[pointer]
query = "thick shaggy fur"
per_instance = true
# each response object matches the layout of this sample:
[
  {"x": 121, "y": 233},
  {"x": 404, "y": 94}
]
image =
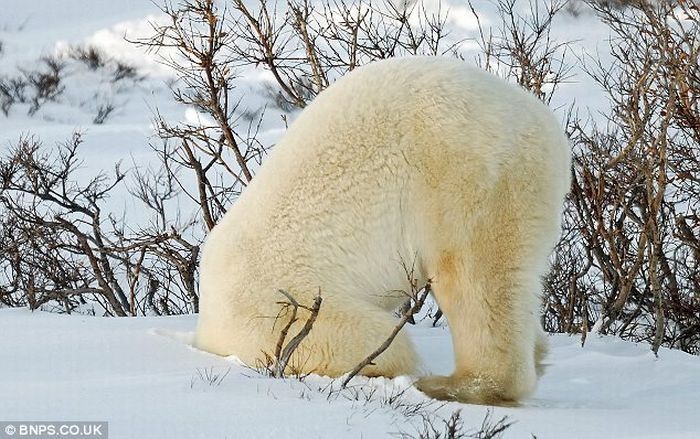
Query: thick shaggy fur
[{"x": 414, "y": 159}]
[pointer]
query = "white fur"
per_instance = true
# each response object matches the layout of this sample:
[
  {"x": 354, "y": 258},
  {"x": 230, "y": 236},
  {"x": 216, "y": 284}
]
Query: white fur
[{"x": 423, "y": 159}]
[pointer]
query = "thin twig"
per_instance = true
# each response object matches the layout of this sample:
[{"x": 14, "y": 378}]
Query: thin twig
[
  {"x": 420, "y": 297},
  {"x": 282, "y": 356}
]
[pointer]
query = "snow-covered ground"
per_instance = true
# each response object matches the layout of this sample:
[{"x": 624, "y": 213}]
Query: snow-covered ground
[{"x": 142, "y": 376}]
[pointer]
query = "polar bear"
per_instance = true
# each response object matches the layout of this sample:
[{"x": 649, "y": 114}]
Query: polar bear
[{"x": 420, "y": 159}]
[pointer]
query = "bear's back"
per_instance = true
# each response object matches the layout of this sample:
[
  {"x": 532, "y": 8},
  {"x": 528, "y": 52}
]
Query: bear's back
[{"x": 426, "y": 109}]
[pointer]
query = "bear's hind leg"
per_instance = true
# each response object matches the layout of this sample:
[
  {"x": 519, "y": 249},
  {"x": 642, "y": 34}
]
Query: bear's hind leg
[{"x": 487, "y": 289}]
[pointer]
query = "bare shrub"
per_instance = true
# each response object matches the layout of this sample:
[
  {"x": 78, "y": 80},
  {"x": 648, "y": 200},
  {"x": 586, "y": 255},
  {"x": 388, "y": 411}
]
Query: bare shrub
[
  {"x": 103, "y": 112},
  {"x": 209, "y": 376},
  {"x": 521, "y": 48},
  {"x": 630, "y": 265},
  {"x": 61, "y": 246},
  {"x": 12, "y": 91},
  {"x": 46, "y": 83},
  {"x": 96, "y": 59},
  {"x": 124, "y": 71},
  {"x": 434, "y": 427},
  {"x": 309, "y": 47},
  {"x": 59, "y": 252},
  {"x": 92, "y": 57},
  {"x": 34, "y": 87},
  {"x": 217, "y": 155}
]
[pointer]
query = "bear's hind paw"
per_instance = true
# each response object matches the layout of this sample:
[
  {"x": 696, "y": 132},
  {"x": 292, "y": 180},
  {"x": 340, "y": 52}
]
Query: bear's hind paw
[{"x": 468, "y": 390}]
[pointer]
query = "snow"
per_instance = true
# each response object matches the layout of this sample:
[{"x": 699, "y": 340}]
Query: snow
[{"x": 142, "y": 376}]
